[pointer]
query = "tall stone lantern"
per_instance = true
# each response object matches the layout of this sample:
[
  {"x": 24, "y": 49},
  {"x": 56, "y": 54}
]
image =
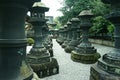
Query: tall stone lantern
[
  {"x": 64, "y": 32},
  {"x": 60, "y": 39},
  {"x": 13, "y": 41},
  {"x": 39, "y": 59},
  {"x": 108, "y": 67},
  {"x": 85, "y": 52},
  {"x": 69, "y": 36},
  {"x": 74, "y": 42}
]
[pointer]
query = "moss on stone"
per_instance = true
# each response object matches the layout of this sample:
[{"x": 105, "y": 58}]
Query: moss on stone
[
  {"x": 85, "y": 58},
  {"x": 46, "y": 69}
]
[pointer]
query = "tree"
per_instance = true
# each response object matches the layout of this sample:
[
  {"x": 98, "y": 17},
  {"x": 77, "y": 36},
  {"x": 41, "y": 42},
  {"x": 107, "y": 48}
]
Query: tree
[
  {"x": 72, "y": 8},
  {"x": 99, "y": 8},
  {"x": 101, "y": 26},
  {"x": 58, "y": 25}
]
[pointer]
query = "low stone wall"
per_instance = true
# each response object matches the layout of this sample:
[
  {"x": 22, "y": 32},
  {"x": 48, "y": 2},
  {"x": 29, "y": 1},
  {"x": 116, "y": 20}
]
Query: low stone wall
[{"x": 102, "y": 42}]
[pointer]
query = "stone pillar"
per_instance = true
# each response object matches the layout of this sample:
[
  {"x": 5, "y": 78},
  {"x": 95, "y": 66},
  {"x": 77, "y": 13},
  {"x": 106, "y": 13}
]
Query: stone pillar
[
  {"x": 60, "y": 39},
  {"x": 69, "y": 36},
  {"x": 79, "y": 34},
  {"x": 52, "y": 31},
  {"x": 74, "y": 42},
  {"x": 65, "y": 35},
  {"x": 39, "y": 59},
  {"x": 108, "y": 67},
  {"x": 13, "y": 41},
  {"x": 85, "y": 52},
  {"x": 64, "y": 32}
]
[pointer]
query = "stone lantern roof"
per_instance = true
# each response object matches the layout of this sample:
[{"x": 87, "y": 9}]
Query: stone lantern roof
[
  {"x": 75, "y": 20},
  {"x": 39, "y": 4},
  {"x": 65, "y": 26},
  {"x": 69, "y": 23},
  {"x": 39, "y": 7},
  {"x": 86, "y": 12}
]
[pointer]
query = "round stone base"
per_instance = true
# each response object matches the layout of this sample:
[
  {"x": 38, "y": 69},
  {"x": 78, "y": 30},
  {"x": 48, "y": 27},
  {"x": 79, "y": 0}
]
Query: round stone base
[
  {"x": 85, "y": 58},
  {"x": 99, "y": 74},
  {"x": 46, "y": 69},
  {"x": 64, "y": 44},
  {"x": 68, "y": 49}
]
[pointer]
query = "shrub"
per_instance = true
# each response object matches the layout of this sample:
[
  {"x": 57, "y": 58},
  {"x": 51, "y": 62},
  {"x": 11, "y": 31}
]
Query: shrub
[{"x": 30, "y": 41}]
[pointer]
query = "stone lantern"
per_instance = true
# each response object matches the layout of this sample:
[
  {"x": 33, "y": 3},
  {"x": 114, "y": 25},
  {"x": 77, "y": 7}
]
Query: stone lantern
[
  {"x": 85, "y": 52},
  {"x": 108, "y": 67},
  {"x": 69, "y": 36},
  {"x": 74, "y": 42},
  {"x": 65, "y": 35},
  {"x": 39, "y": 59},
  {"x": 52, "y": 24},
  {"x": 64, "y": 32},
  {"x": 60, "y": 39},
  {"x": 13, "y": 41}
]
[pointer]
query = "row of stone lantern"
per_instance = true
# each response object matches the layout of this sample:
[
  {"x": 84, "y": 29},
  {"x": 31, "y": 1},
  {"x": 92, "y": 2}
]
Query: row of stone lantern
[
  {"x": 39, "y": 58},
  {"x": 74, "y": 42},
  {"x": 107, "y": 67},
  {"x": 78, "y": 45},
  {"x": 69, "y": 35}
]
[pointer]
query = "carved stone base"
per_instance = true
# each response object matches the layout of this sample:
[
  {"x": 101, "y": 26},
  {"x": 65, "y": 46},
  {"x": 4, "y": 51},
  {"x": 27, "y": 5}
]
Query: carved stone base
[
  {"x": 46, "y": 69},
  {"x": 107, "y": 67},
  {"x": 99, "y": 74},
  {"x": 71, "y": 46},
  {"x": 65, "y": 43},
  {"x": 68, "y": 49},
  {"x": 85, "y": 56}
]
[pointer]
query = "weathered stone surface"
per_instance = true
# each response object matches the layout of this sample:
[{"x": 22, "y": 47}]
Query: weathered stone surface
[
  {"x": 85, "y": 52},
  {"x": 85, "y": 58},
  {"x": 39, "y": 59},
  {"x": 46, "y": 68},
  {"x": 71, "y": 46},
  {"x": 99, "y": 74}
]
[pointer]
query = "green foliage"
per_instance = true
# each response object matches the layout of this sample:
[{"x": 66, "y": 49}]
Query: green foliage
[
  {"x": 72, "y": 8},
  {"x": 99, "y": 8},
  {"x": 101, "y": 25},
  {"x": 111, "y": 28},
  {"x": 58, "y": 25},
  {"x": 30, "y": 41}
]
